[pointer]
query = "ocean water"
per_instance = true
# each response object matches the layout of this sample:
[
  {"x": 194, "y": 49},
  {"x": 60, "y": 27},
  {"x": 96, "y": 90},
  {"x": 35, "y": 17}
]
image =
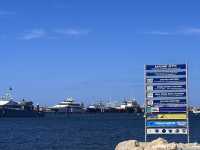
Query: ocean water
[{"x": 77, "y": 132}]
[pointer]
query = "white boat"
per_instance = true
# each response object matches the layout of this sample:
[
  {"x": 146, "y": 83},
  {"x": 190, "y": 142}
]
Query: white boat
[
  {"x": 196, "y": 110},
  {"x": 68, "y": 106},
  {"x": 10, "y": 108}
]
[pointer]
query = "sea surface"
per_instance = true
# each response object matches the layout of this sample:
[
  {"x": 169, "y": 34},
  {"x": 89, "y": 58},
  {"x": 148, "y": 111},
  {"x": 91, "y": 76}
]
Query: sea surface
[{"x": 77, "y": 132}]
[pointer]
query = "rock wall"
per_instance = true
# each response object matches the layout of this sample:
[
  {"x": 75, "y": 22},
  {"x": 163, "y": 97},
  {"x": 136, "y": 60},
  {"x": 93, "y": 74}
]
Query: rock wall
[{"x": 158, "y": 144}]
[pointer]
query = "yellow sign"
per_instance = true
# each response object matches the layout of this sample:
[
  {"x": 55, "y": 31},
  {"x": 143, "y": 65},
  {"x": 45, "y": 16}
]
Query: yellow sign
[{"x": 166, "y": 117}]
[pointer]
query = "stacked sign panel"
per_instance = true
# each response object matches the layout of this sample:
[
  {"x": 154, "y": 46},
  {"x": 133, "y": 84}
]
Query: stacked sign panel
[{"x": 166, "y": 99}]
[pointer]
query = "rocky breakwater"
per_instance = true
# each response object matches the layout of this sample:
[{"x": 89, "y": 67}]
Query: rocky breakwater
[{"x": 158, "y": 144}]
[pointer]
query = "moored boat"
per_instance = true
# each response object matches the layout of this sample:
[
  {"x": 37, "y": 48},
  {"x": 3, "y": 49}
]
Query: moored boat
[
  {"x": 67, "y": 106},
  {"x": 11, "y": 108}
]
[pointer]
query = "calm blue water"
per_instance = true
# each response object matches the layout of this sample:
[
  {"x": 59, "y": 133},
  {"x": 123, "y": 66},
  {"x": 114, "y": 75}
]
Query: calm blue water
[{"x": 75, "y": 132}]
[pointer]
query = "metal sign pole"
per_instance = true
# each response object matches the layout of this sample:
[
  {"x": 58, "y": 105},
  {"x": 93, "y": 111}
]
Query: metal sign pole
[
  {"x": 188, "y": 131},
  {"x": 145, "y": 103}
]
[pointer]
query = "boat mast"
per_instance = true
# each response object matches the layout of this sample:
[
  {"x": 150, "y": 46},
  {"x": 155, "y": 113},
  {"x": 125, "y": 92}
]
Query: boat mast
[{"x": 8, "y": 94}]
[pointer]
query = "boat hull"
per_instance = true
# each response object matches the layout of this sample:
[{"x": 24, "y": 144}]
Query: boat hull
[{"x": 20, "y": 113}]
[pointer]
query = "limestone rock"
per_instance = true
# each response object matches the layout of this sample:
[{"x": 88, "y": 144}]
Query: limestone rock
[
  {"x": 128, "y": 145},
  {"x": 159, "y": 141},
  {"x": 158, "y": 144},
  {"x": 162, "y": 147}
]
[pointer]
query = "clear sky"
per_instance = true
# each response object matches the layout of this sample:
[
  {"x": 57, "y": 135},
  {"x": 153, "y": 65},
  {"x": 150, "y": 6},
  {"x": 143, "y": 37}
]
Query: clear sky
[{"x": 94, "y": 49}]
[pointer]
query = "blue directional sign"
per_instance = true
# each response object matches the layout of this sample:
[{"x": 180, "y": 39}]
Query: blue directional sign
[
  {"x": 161, "y": 109},
  {"x": 169, "y": 87},
  {"x": 167, "y": 105},
  {"x": 171, "y": 101},
  {"x": 166, "y": 80},
  {"x": 169, "y": 94},
  {"x": 172, "y": 109},
  {"x": 166, "y": 124},
  {"x": 165, "y": 67},
  {"x": 165, "y": 73}
]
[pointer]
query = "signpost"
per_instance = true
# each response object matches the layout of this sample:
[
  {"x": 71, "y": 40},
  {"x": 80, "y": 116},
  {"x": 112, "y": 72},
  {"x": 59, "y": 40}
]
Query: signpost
[{"x": 166, "y": 99}]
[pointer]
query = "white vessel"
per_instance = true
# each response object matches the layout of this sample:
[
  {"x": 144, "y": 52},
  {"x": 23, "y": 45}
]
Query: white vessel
[
  {"x": 129, "y": 105},
  {"x": 68, "y": 106},
  {"x": 196, "y": 110},
  {"x": 10, "y": 108}
]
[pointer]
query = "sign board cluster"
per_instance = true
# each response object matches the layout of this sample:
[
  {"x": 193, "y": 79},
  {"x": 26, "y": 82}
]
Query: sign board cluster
[{"x": 166, "y": 107}]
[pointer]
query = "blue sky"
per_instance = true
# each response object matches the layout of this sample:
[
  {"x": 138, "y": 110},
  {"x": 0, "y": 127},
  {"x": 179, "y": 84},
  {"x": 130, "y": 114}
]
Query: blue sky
[{"x": 92, "y": 50}]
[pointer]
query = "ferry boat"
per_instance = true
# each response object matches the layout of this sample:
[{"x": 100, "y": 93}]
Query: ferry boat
[{"x": 67, "y": 106}]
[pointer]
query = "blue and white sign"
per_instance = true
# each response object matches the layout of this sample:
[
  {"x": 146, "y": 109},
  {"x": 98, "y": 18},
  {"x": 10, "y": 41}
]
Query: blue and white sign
[
  {"x": 165, "y": 73},
  {"x": 169, "y": 94},
  {"x": 165, "y": 80},
  {"x": 161, "y": 109},
  {"x": 170, "y": 101},
  {"x": 169, "y": 87},
  {"x": 167, "y": 105},
  {"x": 172, "y": 109},
  {"x": 165, "y": 94},
  {"x": 166, "y": 124},
  {"x": 165, "y": 67}
]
